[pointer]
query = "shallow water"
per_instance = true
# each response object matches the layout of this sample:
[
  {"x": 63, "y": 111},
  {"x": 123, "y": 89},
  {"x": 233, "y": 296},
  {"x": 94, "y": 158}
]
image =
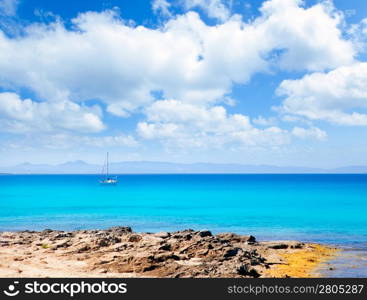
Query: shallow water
[
  {"x": 321, "y": 208},
  {"x": 351, "y": 262}
]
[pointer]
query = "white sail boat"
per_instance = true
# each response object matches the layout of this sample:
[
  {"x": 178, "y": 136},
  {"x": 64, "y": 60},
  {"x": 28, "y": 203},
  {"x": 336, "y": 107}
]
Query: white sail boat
[{"x": 107, "y": 179}]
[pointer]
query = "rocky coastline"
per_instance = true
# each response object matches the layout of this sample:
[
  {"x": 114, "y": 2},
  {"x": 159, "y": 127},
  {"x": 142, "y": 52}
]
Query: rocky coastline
[{"x": 120, "y": 252}]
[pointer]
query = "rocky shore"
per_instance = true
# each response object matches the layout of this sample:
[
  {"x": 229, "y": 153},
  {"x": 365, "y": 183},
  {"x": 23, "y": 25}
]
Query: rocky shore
[{"x": 120, "y": 252}]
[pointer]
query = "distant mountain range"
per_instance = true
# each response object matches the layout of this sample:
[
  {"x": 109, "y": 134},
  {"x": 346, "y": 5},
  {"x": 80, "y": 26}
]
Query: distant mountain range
[{"x": 149, "y": 167}]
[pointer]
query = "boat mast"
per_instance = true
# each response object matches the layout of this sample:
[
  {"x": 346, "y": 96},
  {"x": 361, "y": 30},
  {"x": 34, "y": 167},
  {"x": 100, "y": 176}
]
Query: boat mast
[{"x": 107, "y": 165}]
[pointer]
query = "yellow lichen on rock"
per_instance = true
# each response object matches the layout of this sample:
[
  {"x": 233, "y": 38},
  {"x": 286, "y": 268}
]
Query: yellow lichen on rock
[{"x": 301, "y": 263}]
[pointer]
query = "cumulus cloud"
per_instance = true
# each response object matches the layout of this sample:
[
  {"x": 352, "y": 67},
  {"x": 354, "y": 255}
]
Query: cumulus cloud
[
  {"x": 24, "y": 115},
  {"x": 310, "y": 38},
  {"x": 260, "y": 120},
  {"x": 187, "y": 125},
  {"x": 161, "y": 6},
  {"x": 312, "y": 132},
  {"x": 338, "y": 96},
  {"x": 216, "y": 9},
  {"x": 104, "y": 57}
]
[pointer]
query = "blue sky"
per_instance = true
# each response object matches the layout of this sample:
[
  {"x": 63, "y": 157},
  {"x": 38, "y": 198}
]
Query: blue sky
[{"x": 281, "y": 82}]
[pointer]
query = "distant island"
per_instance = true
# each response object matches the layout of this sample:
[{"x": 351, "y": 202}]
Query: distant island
[{"x": 151, "y": 167}]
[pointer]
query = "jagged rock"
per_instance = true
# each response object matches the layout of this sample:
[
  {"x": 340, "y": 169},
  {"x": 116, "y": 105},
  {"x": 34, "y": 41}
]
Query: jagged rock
[
  {"x": 63, "y": 235},
  {"x": 279, "y": 246},
  {"x": 135, "y": 238},
  {"x": 46, "y": 231},
  {"x": 297, "y": 246},
  {"x": 185, "y": 253},
  {"x": 246, "y": 270},
  {"x": 231, "y": 252},
  {"x": 84, "y": 249},
  {"x": 120, "y": 229},
  {"x": 251, "y": 239},
  {"x": 162, "y": 235},
  {"x": 103, "y": 242},
  {"x": 204, "y": 233},
  {"x": 165, "y": 247}
]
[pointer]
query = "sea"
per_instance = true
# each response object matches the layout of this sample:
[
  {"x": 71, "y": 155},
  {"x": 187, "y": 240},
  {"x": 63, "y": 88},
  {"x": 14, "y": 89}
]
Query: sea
[{"x": 324, "y": 208}]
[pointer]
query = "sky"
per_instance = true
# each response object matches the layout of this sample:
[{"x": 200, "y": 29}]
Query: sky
[{"x": 279, "y": 82}]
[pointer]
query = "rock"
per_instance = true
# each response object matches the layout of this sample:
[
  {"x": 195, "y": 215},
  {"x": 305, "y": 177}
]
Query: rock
[
  {"x": 18, "y": 258},
  {"x": 231, "y": 252},
  {"x": 63, "y": 244},
  {"x": 185, "y": 234},
  {"x": 135, "y": 238},
  {"x": 120, "y": 229},
  {"x": 250, "y": 239},
  {"x": 162, "y": 235},
  {"x": 279, "y": 246},
  {"x": 246, "y": 270},
  {"x": 185, "y": 253},
  {"x": 63, "y": 235},
  {"x": 46, "y": 232},
  {"x": 150, "y": 268},
  {"x": 297, "y": 246},
  {"x": 165, "y": 247},
  {"x": 103, "y": 242},
  {"x": 204, "y": 233},
  {"x": 84, "y": 248},
  {"x": 163, "y": 257}
]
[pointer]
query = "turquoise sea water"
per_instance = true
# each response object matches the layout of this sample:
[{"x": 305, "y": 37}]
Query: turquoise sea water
[{"x": 323, "y": 208}]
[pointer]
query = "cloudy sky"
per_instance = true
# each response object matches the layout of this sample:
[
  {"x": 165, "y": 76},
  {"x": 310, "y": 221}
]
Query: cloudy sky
[{"x": 280, "y": 82}]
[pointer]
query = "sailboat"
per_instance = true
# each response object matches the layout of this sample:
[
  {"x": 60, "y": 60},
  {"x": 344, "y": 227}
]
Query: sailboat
[{"x": 107, "y": 179}]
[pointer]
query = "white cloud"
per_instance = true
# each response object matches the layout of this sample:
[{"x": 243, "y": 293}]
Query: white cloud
[
  {"x": 338, "y": 96},
  {"x": 161, "y": 6},
  {"x": 260, "y": 120},
  {"x": 216, "y": 9},
  {"x": 8, "y": 7},
  {"x": 185, "y": 125},
  {"x": 17, "y": 115},
  {"x": 104, "y": 57},
  {"x": 312, "y": 132},
  {"x": 311, "y": 38}
]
